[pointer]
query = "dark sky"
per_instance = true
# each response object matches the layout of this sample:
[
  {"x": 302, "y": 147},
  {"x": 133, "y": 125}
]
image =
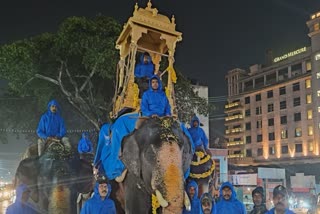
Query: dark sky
[{"x": 217, "y": 35}]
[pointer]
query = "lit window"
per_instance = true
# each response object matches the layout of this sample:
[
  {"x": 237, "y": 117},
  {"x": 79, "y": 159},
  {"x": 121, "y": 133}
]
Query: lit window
[
  {"x": 316, "y": 26},
  {"x": 309, "y": 113},
  {"x": 311, "y": 147},
  {"x": 298, "y": 132},
  {"x": 318, "y": 93},
  {"x": 309, "y": 66},
  {"x": 308, "y": 83},
  {"x": 310, "y": 130},
  {"x": 309, "y": 99},
  {"x": 318, "y": 75},
  {"x": 284, "y": 134},
  {"x": 319, "y": 109}
]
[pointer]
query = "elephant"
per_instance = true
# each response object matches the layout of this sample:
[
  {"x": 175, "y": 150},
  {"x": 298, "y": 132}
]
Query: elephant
[
  {"x": 157, "y": 155},
  {"x": 55, "y": 178}
]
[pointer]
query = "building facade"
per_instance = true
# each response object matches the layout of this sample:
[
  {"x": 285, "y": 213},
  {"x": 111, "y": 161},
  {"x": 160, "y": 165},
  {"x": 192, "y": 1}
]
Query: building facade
[{"x": 273, "y": 111}]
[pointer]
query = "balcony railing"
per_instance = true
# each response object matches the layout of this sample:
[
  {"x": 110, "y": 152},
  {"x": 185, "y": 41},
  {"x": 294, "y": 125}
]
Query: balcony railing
[
  {"x": 234, "y": 117},
  {"x": 236, "y": 156},
  {"x": 235, "y": 143},
  {"x": 235, "y": 130}
]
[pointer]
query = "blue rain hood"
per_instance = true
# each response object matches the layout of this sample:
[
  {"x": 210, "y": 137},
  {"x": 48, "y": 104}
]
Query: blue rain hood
[
  {"x": 198, "y": 135},
  {"x": 144, "y": 70},
  {"x": 84, "y": 144},
  {"x": 159, "y": 83}
]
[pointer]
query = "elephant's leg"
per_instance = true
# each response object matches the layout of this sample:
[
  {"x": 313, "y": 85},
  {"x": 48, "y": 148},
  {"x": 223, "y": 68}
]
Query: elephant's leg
[
  {"x": 136, "y": 200},
  {"x": 118, "y": 196}
]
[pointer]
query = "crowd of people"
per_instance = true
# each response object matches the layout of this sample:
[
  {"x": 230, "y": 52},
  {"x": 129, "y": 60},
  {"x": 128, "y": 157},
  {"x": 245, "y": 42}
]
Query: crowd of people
[{"x": 154, "y": 103}]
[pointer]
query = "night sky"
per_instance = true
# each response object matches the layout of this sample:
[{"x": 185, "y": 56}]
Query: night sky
[{"x": 217, "y": 35}]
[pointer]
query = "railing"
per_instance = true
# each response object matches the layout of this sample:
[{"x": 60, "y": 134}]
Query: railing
[{"x": 235, "y": 143}]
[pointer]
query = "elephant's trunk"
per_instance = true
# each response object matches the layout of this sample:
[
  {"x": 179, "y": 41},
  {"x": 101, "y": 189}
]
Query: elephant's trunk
[
  {"x": 60, "y": 200},
  {"x": 168, "y": 177}
]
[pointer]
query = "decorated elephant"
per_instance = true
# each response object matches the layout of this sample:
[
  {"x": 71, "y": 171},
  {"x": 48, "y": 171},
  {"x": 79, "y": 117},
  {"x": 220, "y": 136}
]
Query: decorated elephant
[
  {"x": 157, "y": 157},
  {"x": 55, "y": 178}
]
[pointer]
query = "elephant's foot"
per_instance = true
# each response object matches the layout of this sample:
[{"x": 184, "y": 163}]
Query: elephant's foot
[{"x": 120, "y": 178}]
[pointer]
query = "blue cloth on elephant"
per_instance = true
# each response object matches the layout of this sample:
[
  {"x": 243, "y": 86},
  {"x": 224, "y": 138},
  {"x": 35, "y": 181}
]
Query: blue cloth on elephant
[
  {"x": 198, "y": 135},
  {"x": 155, "y": 102},
  {"x": 51, "y": 124},
  {"x": 206, "y": 198},
  {"x": 20, "y": 207},
  {"x": 85, "y": 145},
  {"x": 233, "y": 205},
  {"x": 195, "y": 201},
  {"x": 144, "y": 69},
  {"x": 97, "y": 206},
  {"x": 123, "y": 126},
  {"x": 104, "y": 141}
]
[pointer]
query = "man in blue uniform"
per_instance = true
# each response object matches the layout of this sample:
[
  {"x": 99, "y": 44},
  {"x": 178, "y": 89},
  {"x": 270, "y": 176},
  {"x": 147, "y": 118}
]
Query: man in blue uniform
[
  {"x": 51, "y": 127},
  {"x": 100, "y": 203},
  {"x": 144, "y": 70},
  {"x": 154, "y": 101},
  {"x": 199, "y": 137},
  {"x": 280, "y": 201}
]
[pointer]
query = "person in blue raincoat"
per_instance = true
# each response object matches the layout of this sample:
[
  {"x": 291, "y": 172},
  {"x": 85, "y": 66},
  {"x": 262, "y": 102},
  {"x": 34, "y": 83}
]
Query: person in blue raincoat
[
  {"x": 154, "y": 101},
  {"x": 198, "y": 135},
  {"x": 51, "y": 126},
  {"x": 228, "y": 202},
  {"x": 100, "y": 203},
  {"x": 21, "y": 204},
  {"x": 85, "y": 145},
  {"x": 143, "y": 71},
  {"x": 207, "y": 205},
  {"x": 192, "y": 191}
]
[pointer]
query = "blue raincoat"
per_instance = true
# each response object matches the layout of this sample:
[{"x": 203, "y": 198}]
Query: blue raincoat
[
  {"x": 18, "y": 207},
  {"x": 51, "y": 124},
  {"x": 213, "y": 209},
  {"x": 195, "y": 202},
  {"x": 233, "y": 205},
  {"x": 97, "y": 206},
  {"x": 85, "y": 145},
  {"x": 198, "y": 135},
  {"x": 155, "y": 102},
  {"x": 103, "y": 148},
  {"x": 144, "y": 70}
]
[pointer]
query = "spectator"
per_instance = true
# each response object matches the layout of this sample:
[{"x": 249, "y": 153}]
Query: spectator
[
  {"x": 207, "y": 204},
  {"x": 192, "y": 191},
  {"x": 259, "y": 201},
  {"x": 280, "y": 201}
]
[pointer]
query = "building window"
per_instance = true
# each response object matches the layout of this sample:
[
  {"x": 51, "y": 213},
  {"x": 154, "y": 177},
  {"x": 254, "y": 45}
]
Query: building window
[
  {"x": 310, "y": 146},
  {"x": 258, "y": 110},
  {"x": 282, "y": 90},
  {"x": 309, "y": 114},
  {"x": 318, "y": 109},
  {"x": 270, "y": 94},
  {"x": 283, "y": 120},
  {"x": 271, "y": 122},
  {"x": 308, "y": 66},
  {"x": 247, "y": 100},
  {"x": 298, "y": 148},
  {"x": 297, "y": 116},
  {"x": 248, "y": 153},
  {"x": 309, "y": 99},
  {"x": 258, "y": 97},
  {"x": 259, "y": 138},
  {"x": 296, "y": 101},
  {"x": 270, "y": 107},
  {"x": 283, "y": 105},
  {"x": 318, "y": 75},
  {"x": 271, "y": 136},
  {"x": 248, "y": 126},
  {"x": 316, "y": 26},
  {"x": 248, "y": 139},
  {"x": 259, "y": 124},
  {"x": 310, "y": 130},
  {"x": 284, "y": 149},
  {"x": 284, "y": 134},
  {"x": 259, "y": 152},
  {"x": 247, "y": 112},
  {"x": 296, "y": 86},
  {"x": 271, "y": 150},
  {"x": 308, "y": 83},
  {"x": 298, "y": 132}
]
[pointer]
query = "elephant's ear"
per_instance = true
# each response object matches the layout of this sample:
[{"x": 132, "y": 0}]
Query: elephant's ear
[{"x": 130, "y": 154}]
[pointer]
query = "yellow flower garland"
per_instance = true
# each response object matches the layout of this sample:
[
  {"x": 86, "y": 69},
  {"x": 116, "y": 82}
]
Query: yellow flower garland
[
  {"x": 203, "y": 175},
  {"x": 155, "y": 204},
  {"x": 202, "y": 161}
]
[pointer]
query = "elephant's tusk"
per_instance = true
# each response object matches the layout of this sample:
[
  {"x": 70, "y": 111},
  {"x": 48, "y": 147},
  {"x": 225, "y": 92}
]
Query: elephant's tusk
[
  {"x": 161, "y": 200},
  {"x": 120, "y": 178},
  {"x": 186, "y": 201}
]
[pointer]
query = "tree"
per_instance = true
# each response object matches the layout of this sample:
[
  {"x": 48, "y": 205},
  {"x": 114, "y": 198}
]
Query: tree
[
  {"x": 78, "y": 61},
  {"x": 77, "y": 64}
]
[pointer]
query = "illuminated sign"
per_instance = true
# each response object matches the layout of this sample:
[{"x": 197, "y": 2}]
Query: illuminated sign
[{"x": 290, "y": 54}]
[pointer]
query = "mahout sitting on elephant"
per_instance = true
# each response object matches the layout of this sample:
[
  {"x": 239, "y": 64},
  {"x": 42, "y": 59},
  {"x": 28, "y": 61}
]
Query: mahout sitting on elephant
[{"x": 55, "y": 178}]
